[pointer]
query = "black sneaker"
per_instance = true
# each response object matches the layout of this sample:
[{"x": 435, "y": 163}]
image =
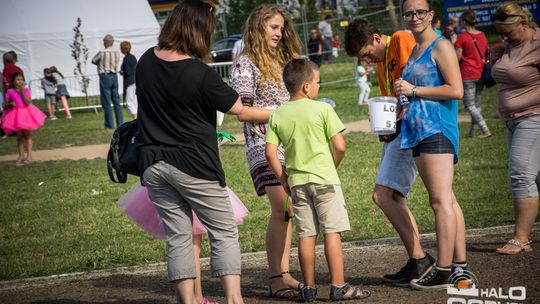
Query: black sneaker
[
  {"x": 307, "y": 294},
  {"x": 435, "y": 279},
  {"x": 414, "y": 269}
]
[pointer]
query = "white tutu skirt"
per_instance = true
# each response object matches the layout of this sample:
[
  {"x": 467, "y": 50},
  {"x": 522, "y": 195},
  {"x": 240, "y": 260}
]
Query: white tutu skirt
[{"x": 138, "y": 206}]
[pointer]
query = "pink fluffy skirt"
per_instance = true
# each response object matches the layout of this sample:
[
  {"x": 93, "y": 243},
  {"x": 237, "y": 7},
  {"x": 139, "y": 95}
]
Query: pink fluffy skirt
[
  {"x": 138, "y": 206},
  {"x": 28, "y": 118}
]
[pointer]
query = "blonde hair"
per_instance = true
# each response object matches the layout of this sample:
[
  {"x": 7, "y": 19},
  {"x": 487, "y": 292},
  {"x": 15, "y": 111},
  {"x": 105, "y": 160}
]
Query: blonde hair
[
  {"x": 270, "y": 61},
  {"x": 515, "y": 14}
]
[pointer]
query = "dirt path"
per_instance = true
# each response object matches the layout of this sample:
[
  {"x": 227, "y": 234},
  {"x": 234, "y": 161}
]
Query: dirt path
[
  {"x": 365, "y": 261},
  {"x": 100, "y": 151}
]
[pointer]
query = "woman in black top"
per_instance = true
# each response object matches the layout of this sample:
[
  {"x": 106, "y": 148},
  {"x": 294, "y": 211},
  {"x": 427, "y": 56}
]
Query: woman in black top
[{"x": 178, "y": 97}]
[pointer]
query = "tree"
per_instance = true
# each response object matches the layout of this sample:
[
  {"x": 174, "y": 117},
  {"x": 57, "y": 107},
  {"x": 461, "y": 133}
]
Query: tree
[
  {"x": 80, "y": 52},
  {"x": 239, "y": 12}
]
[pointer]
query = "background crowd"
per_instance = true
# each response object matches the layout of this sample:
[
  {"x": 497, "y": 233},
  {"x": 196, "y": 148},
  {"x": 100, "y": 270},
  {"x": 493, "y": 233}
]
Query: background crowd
[{"x": 177, "y": 96}]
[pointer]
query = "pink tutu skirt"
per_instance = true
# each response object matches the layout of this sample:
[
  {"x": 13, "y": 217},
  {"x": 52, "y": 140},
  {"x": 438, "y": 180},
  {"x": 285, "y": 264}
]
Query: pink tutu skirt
[
  {"x": 138, "y": 206},
  {"x": 24, "y": 118}
]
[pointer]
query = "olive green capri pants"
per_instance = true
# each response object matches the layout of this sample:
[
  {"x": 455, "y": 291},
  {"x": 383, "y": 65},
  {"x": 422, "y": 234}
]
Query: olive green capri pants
[{"x": 175, "y": 194}]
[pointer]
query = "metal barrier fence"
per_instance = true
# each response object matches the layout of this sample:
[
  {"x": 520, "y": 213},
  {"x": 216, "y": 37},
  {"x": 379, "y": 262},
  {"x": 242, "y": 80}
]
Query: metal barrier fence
[{"x": 79, "y": 100}]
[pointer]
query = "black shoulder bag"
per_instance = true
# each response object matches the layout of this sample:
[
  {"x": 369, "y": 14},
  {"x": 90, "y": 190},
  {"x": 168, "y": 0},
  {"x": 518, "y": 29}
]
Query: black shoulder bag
[{"x": 122, "y": 158}]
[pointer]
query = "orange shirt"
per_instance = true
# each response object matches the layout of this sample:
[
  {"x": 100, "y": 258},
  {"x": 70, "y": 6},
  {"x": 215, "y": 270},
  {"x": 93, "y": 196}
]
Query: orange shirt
[{"x": 401, "y": 45}]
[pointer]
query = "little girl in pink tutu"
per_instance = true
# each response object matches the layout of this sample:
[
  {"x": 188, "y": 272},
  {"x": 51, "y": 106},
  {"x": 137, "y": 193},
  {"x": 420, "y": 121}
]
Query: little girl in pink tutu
[
  {"x": 21, "y": 117},
  {"x": 138, "y": 206}
]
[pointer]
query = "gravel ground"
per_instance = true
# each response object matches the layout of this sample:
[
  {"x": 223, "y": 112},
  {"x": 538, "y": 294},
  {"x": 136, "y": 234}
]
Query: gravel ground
[{"x": 365, "y": 261}]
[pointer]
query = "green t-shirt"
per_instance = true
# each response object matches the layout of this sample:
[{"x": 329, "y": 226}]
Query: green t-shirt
[{"x": 305, "y": 128}]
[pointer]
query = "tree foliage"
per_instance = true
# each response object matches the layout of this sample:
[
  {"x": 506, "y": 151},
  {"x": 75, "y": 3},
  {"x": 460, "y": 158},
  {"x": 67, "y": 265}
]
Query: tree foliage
[
  {"x": 239, "y": 12},
  {"x": 80, "y": 52}
]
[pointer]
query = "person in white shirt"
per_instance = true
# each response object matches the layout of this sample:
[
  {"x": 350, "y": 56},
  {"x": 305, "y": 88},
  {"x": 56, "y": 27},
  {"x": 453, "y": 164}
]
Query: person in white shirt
[
  {"x": 237, "y": 49},
  {"x": 326, "y": 32},
  {"x": 362, "y": 71}
]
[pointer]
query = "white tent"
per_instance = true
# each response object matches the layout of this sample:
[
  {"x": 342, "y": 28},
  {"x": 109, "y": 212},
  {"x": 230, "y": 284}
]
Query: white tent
[{"x": 40, "y": 32}]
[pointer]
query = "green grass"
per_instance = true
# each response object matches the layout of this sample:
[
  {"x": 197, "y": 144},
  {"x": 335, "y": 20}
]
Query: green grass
[
  {"x": 51, "y": 223},
  {"x": 61, "y": 227}
]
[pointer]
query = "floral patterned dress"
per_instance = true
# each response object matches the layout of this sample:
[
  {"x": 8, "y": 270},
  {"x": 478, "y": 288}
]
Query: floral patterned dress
[{"x": 245, "y": 79}]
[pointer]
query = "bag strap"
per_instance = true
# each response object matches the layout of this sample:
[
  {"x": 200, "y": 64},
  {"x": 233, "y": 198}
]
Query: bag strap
[
  {"x": 110, "y": 169},
  {"x": 120, "y": 177},
  {"x": 113, "y": 158},
  {"x": 477, "y": 49}
]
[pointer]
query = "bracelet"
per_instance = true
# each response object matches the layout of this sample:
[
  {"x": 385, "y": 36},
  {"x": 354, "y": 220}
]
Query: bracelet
[{"x": 414, "y": 92}]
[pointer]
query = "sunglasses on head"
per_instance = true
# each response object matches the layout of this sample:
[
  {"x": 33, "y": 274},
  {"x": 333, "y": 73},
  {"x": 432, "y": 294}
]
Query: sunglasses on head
[{"x": 502, "y": 17}]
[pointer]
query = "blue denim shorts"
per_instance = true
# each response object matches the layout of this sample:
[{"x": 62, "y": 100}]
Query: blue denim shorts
[
  {"x": 435, "y": 144},
  {"x": 397, "y": 169},
  {"x": 61, "y": 90}
]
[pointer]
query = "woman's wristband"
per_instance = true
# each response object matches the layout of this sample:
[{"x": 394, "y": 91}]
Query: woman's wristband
[{"x": 414, "y": 92}]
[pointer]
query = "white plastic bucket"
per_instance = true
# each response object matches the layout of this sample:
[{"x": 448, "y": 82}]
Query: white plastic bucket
[{"x": 382, "y": 114}]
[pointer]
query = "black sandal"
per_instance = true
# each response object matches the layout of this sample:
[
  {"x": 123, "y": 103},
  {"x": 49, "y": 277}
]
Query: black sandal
[
  {"x": 300, "y": 284},
  {"x": 285, "y": 292}
]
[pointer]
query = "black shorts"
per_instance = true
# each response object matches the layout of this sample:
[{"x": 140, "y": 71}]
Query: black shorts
[{"x": 435, "y": 144}]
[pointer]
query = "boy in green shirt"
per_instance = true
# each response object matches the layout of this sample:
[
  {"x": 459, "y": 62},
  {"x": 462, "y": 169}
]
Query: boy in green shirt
[{"x": 310, "y": 132}]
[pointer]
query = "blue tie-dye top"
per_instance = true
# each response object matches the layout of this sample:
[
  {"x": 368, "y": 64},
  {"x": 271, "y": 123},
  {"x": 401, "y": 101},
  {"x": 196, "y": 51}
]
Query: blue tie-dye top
[{"x": 423, "y": 117}]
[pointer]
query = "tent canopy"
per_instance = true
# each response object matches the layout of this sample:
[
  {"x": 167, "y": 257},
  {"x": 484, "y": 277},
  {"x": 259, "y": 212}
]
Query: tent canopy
[{"x": 41, "y": 32}]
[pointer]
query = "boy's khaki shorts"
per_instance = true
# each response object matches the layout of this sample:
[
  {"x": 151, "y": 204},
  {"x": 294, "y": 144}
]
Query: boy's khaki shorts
[{"x": 319, "y": 208}]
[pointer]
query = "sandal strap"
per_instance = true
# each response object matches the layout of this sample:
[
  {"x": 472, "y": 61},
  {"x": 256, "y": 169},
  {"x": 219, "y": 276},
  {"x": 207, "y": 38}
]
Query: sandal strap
[
  {"x": 360, "y": 293},
  {"x": 346, "y": 288},
  {"x": 281, "y": 274},
  {"x": 300, "y": 284},
  {"x": 342, "y": 289},
  {"x": 276, "y": 276},
  {"x": 518, "y": 243},
  {"x": 357, "y": 293},
  {"x": 287, "y": 272},
  {"x": 281, "y": 293}
]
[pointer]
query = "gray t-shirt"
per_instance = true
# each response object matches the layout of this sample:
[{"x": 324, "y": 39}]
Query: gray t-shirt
[
  {"x": 517, "y": 73},
  {"x": 325, "y": 29},
  {"x": 48, "y": 86}
]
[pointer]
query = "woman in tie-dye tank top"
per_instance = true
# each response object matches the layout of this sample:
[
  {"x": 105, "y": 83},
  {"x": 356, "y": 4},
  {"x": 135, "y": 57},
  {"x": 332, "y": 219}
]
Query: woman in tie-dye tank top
[{"x": 432, "y": 81}]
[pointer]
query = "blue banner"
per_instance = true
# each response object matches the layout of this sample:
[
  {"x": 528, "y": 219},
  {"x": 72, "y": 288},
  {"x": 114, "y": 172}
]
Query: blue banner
[{"x": 485, "y": 8}]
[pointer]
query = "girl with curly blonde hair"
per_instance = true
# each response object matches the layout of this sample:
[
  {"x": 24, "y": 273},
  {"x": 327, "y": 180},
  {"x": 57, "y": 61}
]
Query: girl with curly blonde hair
[
  {"x": 270, "y": 42},
  {"x": 270, "y": 58}
]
